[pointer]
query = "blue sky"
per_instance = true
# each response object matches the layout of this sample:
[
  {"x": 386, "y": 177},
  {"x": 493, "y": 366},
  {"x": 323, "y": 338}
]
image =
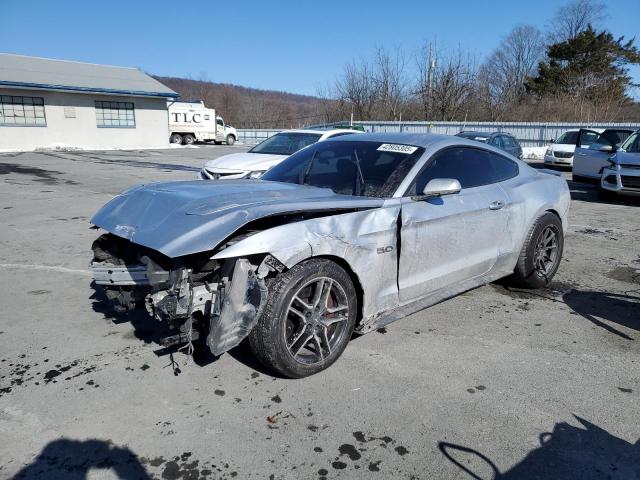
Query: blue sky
[{"x": 293, "y": 46}]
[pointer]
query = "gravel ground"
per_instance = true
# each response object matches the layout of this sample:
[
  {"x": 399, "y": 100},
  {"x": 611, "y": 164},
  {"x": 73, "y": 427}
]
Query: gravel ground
[{"x": 499, "y": 382}]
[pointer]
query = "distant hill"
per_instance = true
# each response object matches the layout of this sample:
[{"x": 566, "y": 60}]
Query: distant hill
[{"x": 246, "y": 107}]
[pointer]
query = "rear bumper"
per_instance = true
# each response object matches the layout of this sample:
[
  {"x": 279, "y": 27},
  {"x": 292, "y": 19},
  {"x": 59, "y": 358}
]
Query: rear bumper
[{"x": 623, "y": 181}]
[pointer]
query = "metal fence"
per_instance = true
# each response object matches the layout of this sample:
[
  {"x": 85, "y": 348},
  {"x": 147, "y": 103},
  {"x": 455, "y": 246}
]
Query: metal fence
[
  {"x": 528, "y": 134},
  {"x": 251, "y": 136}
]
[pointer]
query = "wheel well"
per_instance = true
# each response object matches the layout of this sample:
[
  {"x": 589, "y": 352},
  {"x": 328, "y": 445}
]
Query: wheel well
[
  {"x": 354, "y": 278},
  {"x": 551, "y": 210}
]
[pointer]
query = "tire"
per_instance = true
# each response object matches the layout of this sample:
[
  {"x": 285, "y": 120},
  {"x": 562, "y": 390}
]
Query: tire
[
  {"x": 188, "y": 139},
  {"x": 175, "y": 138},
  {"x": 532, "y": 269},
  {"x": 231, "y": 139},
  {"x": 295, "y": 344}
]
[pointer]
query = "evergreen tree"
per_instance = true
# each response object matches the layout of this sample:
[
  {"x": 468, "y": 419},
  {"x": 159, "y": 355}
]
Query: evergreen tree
[{"x": 591, "y": 66}]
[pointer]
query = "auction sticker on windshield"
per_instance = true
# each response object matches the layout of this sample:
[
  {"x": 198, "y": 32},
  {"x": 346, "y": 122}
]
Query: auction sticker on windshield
[{"x": 392, "y": 147}]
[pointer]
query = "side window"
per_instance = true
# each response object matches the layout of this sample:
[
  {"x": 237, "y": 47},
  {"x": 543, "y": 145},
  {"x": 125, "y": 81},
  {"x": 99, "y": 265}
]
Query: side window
[
  {"x": 587, "y": 139},
  {"x": 220, "y": 122},
  {"x": 510, "y": 142},
  {"x": 617, "y": 136},
  {"x": 594, "y": 140},
  {"x": 471, "y": 167},
  {"x": 497, "y": 141},
  {"x": 502, "y": 168}
]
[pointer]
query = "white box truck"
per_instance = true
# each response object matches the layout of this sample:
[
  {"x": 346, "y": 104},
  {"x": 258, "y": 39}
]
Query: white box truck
[{"x": 192, "y": 121}]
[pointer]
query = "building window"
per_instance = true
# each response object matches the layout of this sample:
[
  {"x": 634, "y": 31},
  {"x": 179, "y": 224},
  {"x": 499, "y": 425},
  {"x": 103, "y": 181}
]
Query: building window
[
  {"x": 22, "y": 111},
  {"x": 115, "y": 114}
]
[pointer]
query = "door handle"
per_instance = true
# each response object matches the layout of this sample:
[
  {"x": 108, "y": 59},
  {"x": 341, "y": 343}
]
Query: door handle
[{"x": 497, "y": 205}]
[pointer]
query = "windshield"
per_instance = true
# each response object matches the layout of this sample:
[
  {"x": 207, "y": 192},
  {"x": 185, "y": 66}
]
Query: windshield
[
  {"x": 568, "y": 138},
  {"x": 286, "y": 143},
  {"x": 368, "y": 169},
  {"x": 477, "y": 136},
  {"x": 632, "y": 144}
]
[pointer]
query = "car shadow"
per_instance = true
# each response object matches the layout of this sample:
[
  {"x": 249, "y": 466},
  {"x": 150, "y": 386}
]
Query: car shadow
[
  {"x": 605, "y": 308},
  {"x": 67, "y": 459},
  {"x": 568, "y": 453},
  {"x": 587, "y": 192}
]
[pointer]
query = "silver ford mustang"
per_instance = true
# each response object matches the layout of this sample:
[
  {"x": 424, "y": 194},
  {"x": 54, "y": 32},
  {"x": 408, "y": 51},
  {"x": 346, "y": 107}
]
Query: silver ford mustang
[{"x": 344, "y": 236}]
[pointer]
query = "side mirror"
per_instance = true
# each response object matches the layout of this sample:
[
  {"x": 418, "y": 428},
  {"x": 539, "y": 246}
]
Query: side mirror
[
  {"x": 606, "y": 148},
  {"x": 439, "y": 187}
]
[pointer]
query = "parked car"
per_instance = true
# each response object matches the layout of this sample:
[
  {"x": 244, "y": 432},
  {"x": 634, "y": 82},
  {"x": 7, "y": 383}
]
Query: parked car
[
  {"x": 500, "y": 140},
  {"x": 590, "y": 160},
  {"x": 622, "y": 174},
  {"x": 561, "y": 151},
  {"x": 262, "y": 157},
  {"x": 346, "y": 235}
]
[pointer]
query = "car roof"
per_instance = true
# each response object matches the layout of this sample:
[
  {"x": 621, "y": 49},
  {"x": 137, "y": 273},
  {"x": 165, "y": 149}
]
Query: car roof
[
  {"x": 414, "y": 139},
  {"x": 482, "y": 134},
  {"x": 319, "y": 131}
]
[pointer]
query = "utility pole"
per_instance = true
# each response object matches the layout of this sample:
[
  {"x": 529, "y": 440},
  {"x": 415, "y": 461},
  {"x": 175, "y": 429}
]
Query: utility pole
[{"x": 430, "y": 82}]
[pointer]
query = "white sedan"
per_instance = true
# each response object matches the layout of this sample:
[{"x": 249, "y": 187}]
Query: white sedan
[{"x": 262, "y": 157}]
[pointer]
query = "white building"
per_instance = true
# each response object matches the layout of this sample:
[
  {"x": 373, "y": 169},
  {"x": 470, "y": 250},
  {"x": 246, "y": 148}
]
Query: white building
[{"x": 47, "y": 103}]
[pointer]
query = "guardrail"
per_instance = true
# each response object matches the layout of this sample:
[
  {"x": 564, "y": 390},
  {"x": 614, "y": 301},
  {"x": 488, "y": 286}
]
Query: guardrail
[{"x": 528, "y": 134}]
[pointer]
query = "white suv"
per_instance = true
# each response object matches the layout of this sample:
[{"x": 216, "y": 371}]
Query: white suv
[{"x": 262, "y": 157}]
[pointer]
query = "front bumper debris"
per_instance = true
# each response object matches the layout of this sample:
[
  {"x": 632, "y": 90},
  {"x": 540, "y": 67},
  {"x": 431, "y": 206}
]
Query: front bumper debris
[{"x": 220, "y": 306}]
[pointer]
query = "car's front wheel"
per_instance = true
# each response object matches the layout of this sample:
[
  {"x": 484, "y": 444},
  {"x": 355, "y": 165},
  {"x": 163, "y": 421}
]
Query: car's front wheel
[
  {"x": 541, "y": 253},
  {"x": 308, "y": 320},
  {"x": 231, "y": 139}
]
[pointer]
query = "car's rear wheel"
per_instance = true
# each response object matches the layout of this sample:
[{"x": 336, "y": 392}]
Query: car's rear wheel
[
  {"x": 308, "y": 320},
  {"x": 541, "y": 253},
  {"x": 188, "y": 139},
  {"x": 176, "y": 138}
]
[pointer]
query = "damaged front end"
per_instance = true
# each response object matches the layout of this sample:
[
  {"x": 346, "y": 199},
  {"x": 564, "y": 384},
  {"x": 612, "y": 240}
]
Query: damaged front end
[{"x": 214, "y": 302}]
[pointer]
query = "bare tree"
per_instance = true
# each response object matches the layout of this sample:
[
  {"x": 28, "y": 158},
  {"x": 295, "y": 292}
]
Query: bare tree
[
  {"x": 390, "y": 82},
  {"x": 501, "y": 78},
  {"x": 356, "y": 88},
  {"x": 574, "y": 17},
  {"x": 445, "y": 84}
]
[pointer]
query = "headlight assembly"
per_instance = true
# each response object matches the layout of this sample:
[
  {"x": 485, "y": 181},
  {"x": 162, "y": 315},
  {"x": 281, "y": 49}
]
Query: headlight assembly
[{"x": 255, "y": 174}]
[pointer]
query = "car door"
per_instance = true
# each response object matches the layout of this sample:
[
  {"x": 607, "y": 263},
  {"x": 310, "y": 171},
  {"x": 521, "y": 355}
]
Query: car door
[
  {"x": 220, "y": 129},
  {"x": 447, "y": 240},
  {"x": 593, "y": 149}
]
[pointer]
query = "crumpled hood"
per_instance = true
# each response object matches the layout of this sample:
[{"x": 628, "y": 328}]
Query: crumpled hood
[
  {"x": 244, "y": 161},
  {"x": 626, "y": 158},
  {"x": 181, "y": 218}
]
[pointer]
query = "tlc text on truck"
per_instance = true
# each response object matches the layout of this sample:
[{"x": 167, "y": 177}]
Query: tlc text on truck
[{"x": 191, "y": 121}]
